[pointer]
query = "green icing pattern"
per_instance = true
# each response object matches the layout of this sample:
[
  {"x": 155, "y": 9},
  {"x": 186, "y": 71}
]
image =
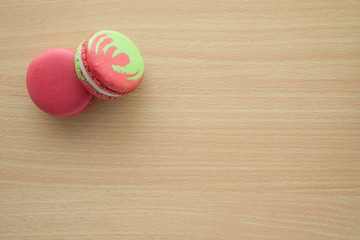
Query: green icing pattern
[{"x": 124, "y": 45}]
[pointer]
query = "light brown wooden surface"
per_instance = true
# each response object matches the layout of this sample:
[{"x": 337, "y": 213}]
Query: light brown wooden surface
[{"x": 246, "y": 125}]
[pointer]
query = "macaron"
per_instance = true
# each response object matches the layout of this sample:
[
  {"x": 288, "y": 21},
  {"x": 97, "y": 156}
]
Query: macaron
[
  {"x": 109, "y": 64},
  {"x": 53, "y": 84}
]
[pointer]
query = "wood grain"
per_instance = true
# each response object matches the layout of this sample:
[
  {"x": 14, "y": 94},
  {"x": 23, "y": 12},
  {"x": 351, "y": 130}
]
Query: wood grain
[{"x": 246, "y": 126}]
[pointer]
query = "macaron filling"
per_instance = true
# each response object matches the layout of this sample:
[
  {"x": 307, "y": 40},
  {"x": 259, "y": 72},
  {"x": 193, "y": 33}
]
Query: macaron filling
[{"x": 88, "y": 78}]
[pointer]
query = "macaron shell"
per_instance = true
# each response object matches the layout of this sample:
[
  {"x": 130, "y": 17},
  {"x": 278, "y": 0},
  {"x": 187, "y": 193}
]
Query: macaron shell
[
  {"x": 86, "y": 85},
  {"x": 53, "y": 85},
  {"x": 84, "y": 81},
  {"x": 115, "y": 61}
]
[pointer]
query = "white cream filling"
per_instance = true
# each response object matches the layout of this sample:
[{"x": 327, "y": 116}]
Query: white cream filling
[{"x": 88, "y": 78}]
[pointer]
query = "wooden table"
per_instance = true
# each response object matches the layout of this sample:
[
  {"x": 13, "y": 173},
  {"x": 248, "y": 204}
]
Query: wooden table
[{"x": 246, "y": 125}]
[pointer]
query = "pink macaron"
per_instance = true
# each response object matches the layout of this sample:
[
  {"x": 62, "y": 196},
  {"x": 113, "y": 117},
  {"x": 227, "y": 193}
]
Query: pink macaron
[{"x": 53, "y": 85}]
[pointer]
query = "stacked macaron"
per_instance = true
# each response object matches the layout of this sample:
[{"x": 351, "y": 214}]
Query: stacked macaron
[{"x": 107, "y": 63}]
